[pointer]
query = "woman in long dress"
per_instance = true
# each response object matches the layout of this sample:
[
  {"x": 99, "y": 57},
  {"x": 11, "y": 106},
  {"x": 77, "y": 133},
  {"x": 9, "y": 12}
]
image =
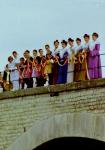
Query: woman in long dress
[
  {"x": 63, "y": 63},
  {"x": 14, "y": 76},
  {"x": 86, "y": 53},
  {"x": 16, "y": 71},
  {"x": 55, "y": 64},
  {"x": 70, "y": 74},
  {"x": 94, "y": 62},
  {"x": 77, "y": 64}
]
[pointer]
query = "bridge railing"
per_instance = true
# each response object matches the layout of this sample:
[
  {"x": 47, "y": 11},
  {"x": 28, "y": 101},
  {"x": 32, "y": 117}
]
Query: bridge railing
[{"x": 102, "y": 67}]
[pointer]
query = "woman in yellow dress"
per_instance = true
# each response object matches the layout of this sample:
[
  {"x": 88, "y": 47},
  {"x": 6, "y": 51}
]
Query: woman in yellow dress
[{"x": 48, "y": 68}]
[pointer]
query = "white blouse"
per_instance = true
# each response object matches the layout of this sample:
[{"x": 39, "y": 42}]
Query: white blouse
[
  {"x": 62, "y": 51},
  {"x": 78, "y": 48},
  {"x": 92, "y": 45}
]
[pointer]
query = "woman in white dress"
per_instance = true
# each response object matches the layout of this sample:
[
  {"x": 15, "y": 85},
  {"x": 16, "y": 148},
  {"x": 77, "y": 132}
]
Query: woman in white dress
[
  {"x": 14, "y": 76},
  {"x": 16, "y": 61},
  {"x": 70, "y": 74}
]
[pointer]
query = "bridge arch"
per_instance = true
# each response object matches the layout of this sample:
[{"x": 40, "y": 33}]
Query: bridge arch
[
  {"x": 71, "y": 143},
  {"x": 85, "y": 125}
]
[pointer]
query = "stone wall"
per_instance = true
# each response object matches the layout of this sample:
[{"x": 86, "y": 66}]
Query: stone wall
[
  {"x": 81, "y": 124},
  {"x": 20, "y": 109}
]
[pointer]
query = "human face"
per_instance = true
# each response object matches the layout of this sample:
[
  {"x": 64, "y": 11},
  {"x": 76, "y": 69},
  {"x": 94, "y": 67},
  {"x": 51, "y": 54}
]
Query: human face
[
  {"x": 34, "y": 53},
  {"x": 78, "y": 42},
  {"x": 47, "y": 48},
  {"x": 15, "y": 55},
  {"x": 71, "y": 43},
  {"x": 86, "y": 39},
  {"x": 94, "y": 38},
  {"x": 56, "y": 44},
  {"x": 27, "y": 55},
  {"x": 41, "y": 52},
  {"x": 63, "y": 45},
  {"x": 10, "y": 60}
]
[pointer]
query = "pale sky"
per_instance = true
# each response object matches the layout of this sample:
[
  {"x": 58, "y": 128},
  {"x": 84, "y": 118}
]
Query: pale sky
[{"x": 30, "y": 24}]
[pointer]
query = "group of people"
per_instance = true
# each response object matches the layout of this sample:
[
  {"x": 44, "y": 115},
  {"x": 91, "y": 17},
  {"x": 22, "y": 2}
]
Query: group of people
[{"x": 71, "y": 63}]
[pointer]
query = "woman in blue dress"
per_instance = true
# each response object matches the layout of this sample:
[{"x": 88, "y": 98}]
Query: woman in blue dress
[{"x": 63, "y": 63}]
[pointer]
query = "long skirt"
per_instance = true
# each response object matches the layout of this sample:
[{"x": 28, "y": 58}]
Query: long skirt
[
  {"x": 94, "y": 67},
  {"x": 55, "y": 73},
  {"x": 62, "y": 74},
  {"x": 14, "y": 78},
  {"x": 80, "y": 72},
  {"x": 70, "y": 73}
]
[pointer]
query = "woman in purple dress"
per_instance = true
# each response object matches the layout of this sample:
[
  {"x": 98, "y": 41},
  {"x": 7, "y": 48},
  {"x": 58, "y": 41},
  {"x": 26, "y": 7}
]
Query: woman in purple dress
[{"x": 94, "y": 62}]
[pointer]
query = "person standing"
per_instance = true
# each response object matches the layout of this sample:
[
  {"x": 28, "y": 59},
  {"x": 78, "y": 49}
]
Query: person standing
[
  {"x": 55, "y": 64},
  {"x": 70, "y": 75},
  {"x": 94, "y": 61},
  {"x": 14, "y": 78},
  {"x": 77, "y": 64},
  {"x": 21, "y": 75},
  {"x": 16, "y": 71},
  {"x": 35, "y": 54},
  {"x": 39, "y": 76},
  {"x": 28, "y": 69},
  {"x": 63, "y": 63},
  {"x": 48, "y": 68},
  {"x": 7, "y": 84},
  {"x": 15, "y": 57},
  {"x": 86, "y": 55}
]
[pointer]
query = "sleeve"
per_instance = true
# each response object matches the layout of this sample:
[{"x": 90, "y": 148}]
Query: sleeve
[
  {"x": 95, "y": 50},
  {"x": 66, "y": 55}
]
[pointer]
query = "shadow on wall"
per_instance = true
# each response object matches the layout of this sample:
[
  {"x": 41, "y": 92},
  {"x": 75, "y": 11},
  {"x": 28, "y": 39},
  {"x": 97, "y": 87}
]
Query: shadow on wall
[{"x": 69, "y": 143}]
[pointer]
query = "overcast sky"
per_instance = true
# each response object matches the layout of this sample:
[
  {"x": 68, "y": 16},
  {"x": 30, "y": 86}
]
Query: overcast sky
[{"x": 29, "y": 24}]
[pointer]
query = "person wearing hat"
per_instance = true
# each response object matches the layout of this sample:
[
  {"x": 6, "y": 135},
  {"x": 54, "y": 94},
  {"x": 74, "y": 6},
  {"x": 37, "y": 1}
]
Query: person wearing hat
[
  {"x": 94, "y": 61},
  {"x": 63, "y": 63}
]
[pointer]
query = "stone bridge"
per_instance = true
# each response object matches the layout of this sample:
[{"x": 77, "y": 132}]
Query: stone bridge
[{"x": 29, "y": 118}]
